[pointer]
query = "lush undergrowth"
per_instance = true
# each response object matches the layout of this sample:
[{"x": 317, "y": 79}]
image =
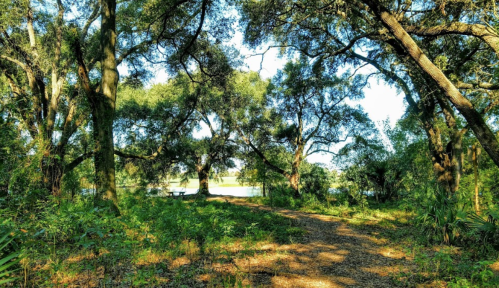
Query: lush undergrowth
[
  {"x": 183, "y": 243},
  {"x": 155, "y": 241},
  {"x": 469, "y": 262}
]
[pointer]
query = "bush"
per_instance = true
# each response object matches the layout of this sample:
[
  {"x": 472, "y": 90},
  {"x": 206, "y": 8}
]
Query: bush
[
  {"x": 441, "y": 219},
  {"x": 486, "y": 230},
  {"x": 282, "y": 196},
  {"x": 316, "y": 181}
]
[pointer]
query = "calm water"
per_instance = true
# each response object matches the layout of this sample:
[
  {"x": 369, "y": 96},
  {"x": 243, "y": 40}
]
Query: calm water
[{"x": 226, "y": 191}]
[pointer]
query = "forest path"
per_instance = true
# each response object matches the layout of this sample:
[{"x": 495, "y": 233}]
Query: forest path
[{"x": 331, "y": 254}]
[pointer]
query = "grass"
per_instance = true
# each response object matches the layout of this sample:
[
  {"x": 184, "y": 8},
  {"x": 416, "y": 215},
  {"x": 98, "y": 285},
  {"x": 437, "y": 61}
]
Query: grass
[
  {"x": 196, "y": 243},
  {"x": 155, "y": 241}
]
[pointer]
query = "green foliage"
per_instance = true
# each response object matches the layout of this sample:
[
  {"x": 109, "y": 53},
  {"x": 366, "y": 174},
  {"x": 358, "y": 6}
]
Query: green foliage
[
  {"x": 315, "y": 180},
  {"x": 154, "y": 126},
  {"x": 148, "y": 225},
  {"x": 442, "y": 220},
  {"x": 486, "y": 230},
  {"x": 458, "y": 269},
  {"x": 9, "y": 254},
  {"x": 282, "y": 196}
]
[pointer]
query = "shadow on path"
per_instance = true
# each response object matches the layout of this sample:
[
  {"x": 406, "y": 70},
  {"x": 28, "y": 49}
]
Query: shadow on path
[{"x": 331, "y": 254}]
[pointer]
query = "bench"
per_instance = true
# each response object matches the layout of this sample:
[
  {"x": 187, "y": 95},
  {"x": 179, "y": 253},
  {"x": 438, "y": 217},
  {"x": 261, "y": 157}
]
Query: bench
[{"x": 171, "y": 194}]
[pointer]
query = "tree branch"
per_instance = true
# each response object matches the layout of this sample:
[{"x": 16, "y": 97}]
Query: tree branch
[
  {"x": 486, "y": 34},
  {"x": 95, "y": 14},
  {"x": 77, "y": 161}
]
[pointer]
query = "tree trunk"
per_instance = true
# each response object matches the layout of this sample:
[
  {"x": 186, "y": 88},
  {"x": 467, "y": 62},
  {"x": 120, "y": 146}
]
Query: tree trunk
[
  {"x": 475, "y": 166},
  {"x": 481, "y": 130},
  {"x": 447, "y": 161},
  {"x": 294, "y": 180},
  {"x": 294, "y": 184},
  {"x": 457, "y": 159},
  {"x": 104, "y": 157},
  {"x": 264, "y": 193},
  {"x": 203, "y": 175},
  {"x": 103, "y": 110},
  {"x": 52, "y": 175}
]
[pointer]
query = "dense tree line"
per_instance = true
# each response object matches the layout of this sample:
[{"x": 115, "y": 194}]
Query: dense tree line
[{"x": 60, "y": 83}]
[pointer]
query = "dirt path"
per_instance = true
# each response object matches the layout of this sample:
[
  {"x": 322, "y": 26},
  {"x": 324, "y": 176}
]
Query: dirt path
[{"x": 331, "y": 254}]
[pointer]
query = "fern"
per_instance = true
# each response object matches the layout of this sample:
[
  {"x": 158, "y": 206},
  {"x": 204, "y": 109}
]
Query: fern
[{"x": 7, "y": 260}]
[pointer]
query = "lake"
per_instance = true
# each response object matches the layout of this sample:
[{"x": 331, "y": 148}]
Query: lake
[{"x": 225, "y": 191}]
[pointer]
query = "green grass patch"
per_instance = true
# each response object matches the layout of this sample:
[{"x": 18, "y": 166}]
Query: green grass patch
[{"x": 155, "y": 241}]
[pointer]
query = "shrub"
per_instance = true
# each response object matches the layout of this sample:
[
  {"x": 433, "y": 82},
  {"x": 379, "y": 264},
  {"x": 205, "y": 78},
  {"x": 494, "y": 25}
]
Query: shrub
[{"x": 441, "y": 219}]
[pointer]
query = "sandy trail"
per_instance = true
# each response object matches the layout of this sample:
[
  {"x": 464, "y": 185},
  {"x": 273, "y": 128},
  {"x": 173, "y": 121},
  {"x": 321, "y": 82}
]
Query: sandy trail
[{"x": 331, "y": 254}]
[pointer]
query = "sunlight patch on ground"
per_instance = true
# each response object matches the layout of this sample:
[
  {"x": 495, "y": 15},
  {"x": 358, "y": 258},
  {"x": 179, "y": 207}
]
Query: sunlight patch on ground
[
  {"x": 150, "y": 257},
  {"x": 175, "y": 264},
  {"x": 391, "y": 253},
  {"x": 383, "y": 271},
  {"x": 87, "y": 255},
  {"x": 327, "y": 257},
  {"x": 84, "y": 279},
  {"x": 495, "y": 267},
  {"x": 293, "y": 281}
]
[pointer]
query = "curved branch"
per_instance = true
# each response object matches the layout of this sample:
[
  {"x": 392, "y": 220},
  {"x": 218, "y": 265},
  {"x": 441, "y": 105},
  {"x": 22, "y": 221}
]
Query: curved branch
[
  {"x": 77, "y": 161},
  {"x": 261, "y": 155},
  {"x": 392, "y": 76},
  {"x": 132, "y": 50},
  {"x": 95, "y": 14},
  {"x": 198, "y": 31},
  {"x": 15, "y": 61},
  {"x": 481, "y": 85}
]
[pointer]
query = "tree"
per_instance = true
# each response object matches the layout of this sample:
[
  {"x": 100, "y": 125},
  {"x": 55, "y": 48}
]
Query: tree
[
  {"x": 163, "y": 120},
  {"x": 42, "y": 77},
  {"x": 476, "y": 122},
  {"x": 337, "y": 29},
  {"x": 45, "y": 104},
  {"x": 373, "y": 168},
  {"x": 216, "y": 149},
  {"x": 153, "y": 126},
  {"x": 308, "y": 104},
  {"x": 254, "y": 171}
]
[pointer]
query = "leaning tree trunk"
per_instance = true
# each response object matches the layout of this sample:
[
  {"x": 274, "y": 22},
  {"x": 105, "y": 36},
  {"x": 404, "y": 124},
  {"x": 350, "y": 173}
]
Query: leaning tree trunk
[
  {"x": 103, "y": 110},
  {"x": 203, "y": 175},
  {"x": 475, "y": 121}
]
